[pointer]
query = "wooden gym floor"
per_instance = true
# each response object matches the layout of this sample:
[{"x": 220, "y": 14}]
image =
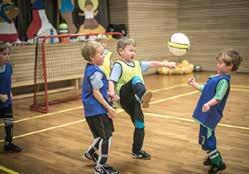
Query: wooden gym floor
[{"x": 53, "y": 143}]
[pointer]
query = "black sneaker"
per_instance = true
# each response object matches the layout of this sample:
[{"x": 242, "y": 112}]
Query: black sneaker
[
  {"x": 207, "y": 162},
  {"x": 214, "y": 168},
  {"x": 141, "y": 155},
  {"x": 93, "y": 157},
  {"x": 12, "y": 148},
  {"x": 106, "y": 169}
]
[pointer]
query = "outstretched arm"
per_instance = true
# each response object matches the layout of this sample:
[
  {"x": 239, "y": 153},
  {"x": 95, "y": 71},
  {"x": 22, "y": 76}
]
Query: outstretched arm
[
  {"x": 192, "y": 82},
  {"x": 157, "y": 64}
]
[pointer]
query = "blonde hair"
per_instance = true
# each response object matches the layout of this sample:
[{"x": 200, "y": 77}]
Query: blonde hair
[
  {"x": 230, "y": 57},
  {"x": 88, "y": 49},
  {"x": 124, "y": 41}
]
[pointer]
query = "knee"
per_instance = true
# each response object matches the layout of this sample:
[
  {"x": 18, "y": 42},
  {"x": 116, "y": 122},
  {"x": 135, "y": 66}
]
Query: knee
[
  {"x": 136, "y": 79},
  {"x": 8, "y": 121},
  {"x": 139, "y": 124}
]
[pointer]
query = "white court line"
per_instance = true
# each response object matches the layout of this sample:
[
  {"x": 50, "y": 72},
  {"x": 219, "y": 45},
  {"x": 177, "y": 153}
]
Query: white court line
[
  {"x": 240, "y": 90},
  {"x": 79, "y": 107},
  {"x": 6, "y": 170},
  {"x": 192, "y": 121},
  {"x": 47, "y": 129},
  {"x": 51, "y": 128},
  {"x": 174, "y": 97},
  {"x": 119, "y": 111}
]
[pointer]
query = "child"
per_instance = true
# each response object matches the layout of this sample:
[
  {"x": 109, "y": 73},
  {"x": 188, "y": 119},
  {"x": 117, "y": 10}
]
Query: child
[
  {"x": 209, "y": 109},
  {"x": 106, "y": 67},
  {"x": 98, "y": 111},
  {"x": 126, "y": 77},
  {"x": 6, "y": 98}
]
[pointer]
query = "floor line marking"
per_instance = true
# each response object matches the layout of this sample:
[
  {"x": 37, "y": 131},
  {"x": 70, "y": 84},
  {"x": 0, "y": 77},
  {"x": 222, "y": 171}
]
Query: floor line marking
[
  {"x": 119, "y": 111},
  {"x": 154, "y": 91},
  {"x": 9, "y": 171},
  {"x": 191, "y": 120},
  {"x": 79, "y": 107}
]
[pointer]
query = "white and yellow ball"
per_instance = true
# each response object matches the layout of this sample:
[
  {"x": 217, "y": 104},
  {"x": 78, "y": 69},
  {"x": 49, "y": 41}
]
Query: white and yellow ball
[{"x": 178, "y": 44}]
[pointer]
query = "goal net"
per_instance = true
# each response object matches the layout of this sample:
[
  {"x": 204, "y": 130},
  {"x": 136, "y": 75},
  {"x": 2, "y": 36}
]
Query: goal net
[{"x": 58, "y": 69}]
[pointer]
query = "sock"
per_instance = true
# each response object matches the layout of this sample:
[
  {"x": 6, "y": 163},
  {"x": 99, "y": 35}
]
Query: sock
[
  {"x": 103, "y": 148},
  {"x": 215, "y": 157},
  {"x": 94, "y": 146},
  {"x": 8, "y": 125}
]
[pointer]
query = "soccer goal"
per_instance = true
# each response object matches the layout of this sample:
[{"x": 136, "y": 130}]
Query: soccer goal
[{"x": 58, "y": 69}]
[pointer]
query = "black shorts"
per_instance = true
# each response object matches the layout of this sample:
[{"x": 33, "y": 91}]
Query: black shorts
[
  {"x": 100, "y": 126},
  {"x": 6, "y": 112},
  {"x": 129, "y": 103}
]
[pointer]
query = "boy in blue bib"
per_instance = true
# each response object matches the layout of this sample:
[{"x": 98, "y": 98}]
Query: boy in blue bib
[
  {"x": 97, "y": 108},
  {"x": 209, "y": 109}
]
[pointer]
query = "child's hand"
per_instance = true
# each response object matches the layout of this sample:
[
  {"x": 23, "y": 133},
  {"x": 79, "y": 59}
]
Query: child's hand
[
  {"x": 171, "y": 65},
  {"x": 112, "y": 113},
  {"x": 205, "y": 107},
  {"x": 3, "y": 97},
  {"x": 113, "y": 96},
  {"x": 191, "y": 81}
]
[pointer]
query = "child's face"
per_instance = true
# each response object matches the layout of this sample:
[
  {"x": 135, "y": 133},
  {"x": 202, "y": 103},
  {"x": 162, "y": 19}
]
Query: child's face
[
  {"x": 98, "y": 58},
  {"x": 104, "y": 43},
  {"x": 4, "y": 56},
  {"x": 222, "y": 68},
  {"x": 89, "y": 7},
  {"x": 128, "y": 53}
]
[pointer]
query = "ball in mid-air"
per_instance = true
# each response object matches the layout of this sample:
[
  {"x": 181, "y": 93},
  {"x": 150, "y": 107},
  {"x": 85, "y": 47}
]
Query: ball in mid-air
[{"x": 178, "y": 44}]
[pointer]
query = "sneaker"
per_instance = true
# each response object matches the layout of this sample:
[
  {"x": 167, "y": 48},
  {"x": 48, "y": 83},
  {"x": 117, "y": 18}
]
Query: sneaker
[
  {"x": 106, "y": 169},
  {"x": 93, "y": 157},
  {"x": 141, "y": 155},
  {"x": 12, "y": 148},
  {"x": 207, "y": 162},
  {"x": 214, "y": 168},
  {"x": 146, "y": 99}
]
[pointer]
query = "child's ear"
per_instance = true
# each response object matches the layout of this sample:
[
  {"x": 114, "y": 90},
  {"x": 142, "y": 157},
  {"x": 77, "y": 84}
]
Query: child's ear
[
  {"x": 230, "y": 66},
  {"x": 120, "y": 50}
]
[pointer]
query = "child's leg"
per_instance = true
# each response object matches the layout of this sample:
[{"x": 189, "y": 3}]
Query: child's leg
[
  {"x": 105, "y": 133},
  {"x": 138, "y": 136},
  {"x": 104, "y": 146},
  {"x": 208, "y": 141},
  {"x": 8, "y": 126},
  {"x": 130, "y": 95},
  {"x": 141, "y": 95},
  {"x": 130, "y": 104},
  {"x": 91, "y": 151}
]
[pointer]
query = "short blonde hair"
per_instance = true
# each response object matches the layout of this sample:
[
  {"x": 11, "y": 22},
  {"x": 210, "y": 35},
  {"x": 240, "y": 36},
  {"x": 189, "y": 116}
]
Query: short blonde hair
[
  {"x": 124, "y": 41},
  {"x": 230, "y": 57},
  {"x": 89, "y": 48}
]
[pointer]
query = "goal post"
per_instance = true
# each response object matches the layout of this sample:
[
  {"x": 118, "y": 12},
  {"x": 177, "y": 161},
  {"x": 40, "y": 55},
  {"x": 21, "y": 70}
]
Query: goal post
[{"x": 58, "y": 69}]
